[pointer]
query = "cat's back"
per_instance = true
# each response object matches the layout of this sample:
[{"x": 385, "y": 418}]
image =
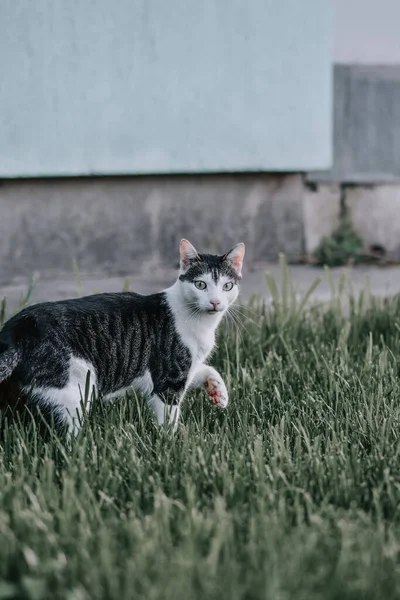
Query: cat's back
[
  {"x": 39, "y": 319},
  {"x": 96, "y": 303},
  {"x": 113, "y": 334}
]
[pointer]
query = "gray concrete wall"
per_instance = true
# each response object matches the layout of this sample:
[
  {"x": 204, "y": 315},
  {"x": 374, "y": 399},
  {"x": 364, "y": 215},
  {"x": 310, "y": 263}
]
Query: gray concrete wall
[
  {"x": 366, "y": 125},
  {"x": 120, "y": 226},
  {"x": 374, "y": 210},
  {"x": 124, "y": 225}
]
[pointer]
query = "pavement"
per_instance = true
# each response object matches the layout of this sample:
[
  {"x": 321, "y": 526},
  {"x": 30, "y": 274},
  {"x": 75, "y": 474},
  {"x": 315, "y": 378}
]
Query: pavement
[{"x": 382, "y": 281}]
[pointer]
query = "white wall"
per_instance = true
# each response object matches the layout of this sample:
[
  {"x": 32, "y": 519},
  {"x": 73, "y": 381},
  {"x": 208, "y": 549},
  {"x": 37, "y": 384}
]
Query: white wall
[{"x": 156, "y": 86}]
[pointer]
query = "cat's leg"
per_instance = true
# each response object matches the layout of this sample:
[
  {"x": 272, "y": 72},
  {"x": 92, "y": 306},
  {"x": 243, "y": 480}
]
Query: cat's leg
[
  {"x": 210, "y": 378},
  {"x": 67, "y": 403},
  {"x": 68, "y": 406},
  {"x": 61, "y": 405},
  {"x": 165, "y": 413}
]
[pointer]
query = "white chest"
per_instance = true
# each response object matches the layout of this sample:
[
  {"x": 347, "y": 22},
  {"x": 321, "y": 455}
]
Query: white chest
[
  {"x": 200, "y": 343},
  {"x": 197, "y": 332}
]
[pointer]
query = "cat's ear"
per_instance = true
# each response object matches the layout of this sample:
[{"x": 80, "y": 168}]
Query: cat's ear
[
  {"x": 235, "y": 257},
  {"x": 188, "y": 253}
]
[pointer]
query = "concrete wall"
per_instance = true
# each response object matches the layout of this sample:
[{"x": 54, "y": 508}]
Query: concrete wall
[
  {"x": 124, "y": 225},
  {"x": 366, "y": 125},
  {"x": 366, "y": 166},
  {"x": 149, "y": 86},
  {"x": 134, "y": 224},
  {"x": 374, "y": 211}
]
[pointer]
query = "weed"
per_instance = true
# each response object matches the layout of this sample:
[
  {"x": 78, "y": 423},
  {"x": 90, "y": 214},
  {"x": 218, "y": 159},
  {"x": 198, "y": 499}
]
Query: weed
[{"x": 343, "y": 246}]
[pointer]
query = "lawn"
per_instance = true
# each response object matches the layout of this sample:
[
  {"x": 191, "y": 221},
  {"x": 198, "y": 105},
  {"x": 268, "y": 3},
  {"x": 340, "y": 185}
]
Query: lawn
[{"x": 291, "y": 493}]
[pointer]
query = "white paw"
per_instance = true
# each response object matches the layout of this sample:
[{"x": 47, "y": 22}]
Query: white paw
[{"x": 217, "y": 392}]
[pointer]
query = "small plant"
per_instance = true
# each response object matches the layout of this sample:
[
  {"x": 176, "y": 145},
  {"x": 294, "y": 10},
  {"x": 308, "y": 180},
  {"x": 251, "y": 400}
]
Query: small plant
[{"x": 343, "y": 246}]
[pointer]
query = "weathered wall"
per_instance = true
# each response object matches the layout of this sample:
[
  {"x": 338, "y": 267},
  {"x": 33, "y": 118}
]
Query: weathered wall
[
  {"x": 366, "y": 167},
  {"x": 123, "y": 225},
  {"x": 321, "y": 210},
  {"x": 374, "y": 210},
  {"x": 134, "y": 224},
  {"x": 366, "y": 125},
  {"x": 375, "y": 213}
]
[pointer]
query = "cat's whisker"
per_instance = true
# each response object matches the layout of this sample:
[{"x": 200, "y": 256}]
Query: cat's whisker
[
  {"x": 247, "y": 309},
  {"x": 239, "y": 333},
  {"x": 236, "y": 310},
  {"x": 228, "y": 320},
  {"x": 234, "y": 324},
  {"x": 193, "y": 316},
  {"x": 237, "y": 320},
  {"x": 241, "y": 324}
]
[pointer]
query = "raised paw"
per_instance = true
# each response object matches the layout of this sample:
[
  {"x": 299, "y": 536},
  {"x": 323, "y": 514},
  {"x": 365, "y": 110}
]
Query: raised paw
[{"x": 217, "y": 392}]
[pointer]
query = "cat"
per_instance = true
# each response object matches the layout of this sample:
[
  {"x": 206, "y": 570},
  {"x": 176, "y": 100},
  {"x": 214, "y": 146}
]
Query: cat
[{"x": 155, "y": 344}]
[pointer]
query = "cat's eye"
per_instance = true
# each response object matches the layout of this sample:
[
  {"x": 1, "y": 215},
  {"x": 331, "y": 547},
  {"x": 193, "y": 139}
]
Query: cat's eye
[
  {"x": 200, "y": 285},
  {"x": 227, "y": 286}
]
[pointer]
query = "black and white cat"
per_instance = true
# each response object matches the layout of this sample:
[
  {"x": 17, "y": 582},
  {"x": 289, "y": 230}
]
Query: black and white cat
[{"x": 156, "y": 344}]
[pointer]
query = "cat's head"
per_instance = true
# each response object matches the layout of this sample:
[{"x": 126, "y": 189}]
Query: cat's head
[{"x": 210, "y": 283}]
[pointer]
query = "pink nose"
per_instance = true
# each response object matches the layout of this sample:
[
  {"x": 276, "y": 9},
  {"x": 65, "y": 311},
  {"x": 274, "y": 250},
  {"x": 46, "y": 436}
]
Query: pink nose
[{"x": 215, "y": 303}]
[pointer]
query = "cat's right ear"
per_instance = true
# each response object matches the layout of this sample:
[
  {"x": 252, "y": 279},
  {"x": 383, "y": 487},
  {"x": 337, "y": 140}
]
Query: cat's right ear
[{"x": 188, "y": 253}]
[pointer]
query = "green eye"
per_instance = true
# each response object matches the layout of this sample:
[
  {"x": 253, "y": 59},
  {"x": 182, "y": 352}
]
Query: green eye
[
  {"x": 200, "y": 285},
  {"x": 227, "y": 286}
]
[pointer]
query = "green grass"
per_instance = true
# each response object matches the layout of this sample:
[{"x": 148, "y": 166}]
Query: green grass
[{"x": 292, "y": 492}]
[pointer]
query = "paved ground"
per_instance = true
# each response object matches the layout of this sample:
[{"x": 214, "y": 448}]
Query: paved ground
[{"x": 383, "y": 281}]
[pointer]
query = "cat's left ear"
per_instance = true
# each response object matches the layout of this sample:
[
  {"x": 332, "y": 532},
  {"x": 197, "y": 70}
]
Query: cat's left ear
[
  {"x": 188, "y": 253},
  {"x": 235, "y": 257}
]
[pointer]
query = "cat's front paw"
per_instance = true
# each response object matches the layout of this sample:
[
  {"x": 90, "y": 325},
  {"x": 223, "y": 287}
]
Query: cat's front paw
[{"x": 217, "y": 392}]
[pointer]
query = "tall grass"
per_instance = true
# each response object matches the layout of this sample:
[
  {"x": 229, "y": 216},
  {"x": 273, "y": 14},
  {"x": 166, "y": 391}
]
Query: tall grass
[{"x": 292, "y": 492}]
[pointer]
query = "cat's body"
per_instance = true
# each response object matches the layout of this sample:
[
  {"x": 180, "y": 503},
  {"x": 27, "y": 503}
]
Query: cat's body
[{"x": 154, "y": 344}]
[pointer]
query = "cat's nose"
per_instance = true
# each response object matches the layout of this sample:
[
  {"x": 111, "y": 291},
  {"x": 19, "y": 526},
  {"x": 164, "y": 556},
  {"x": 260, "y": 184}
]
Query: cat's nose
[{"x": 215, "y": 303}]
